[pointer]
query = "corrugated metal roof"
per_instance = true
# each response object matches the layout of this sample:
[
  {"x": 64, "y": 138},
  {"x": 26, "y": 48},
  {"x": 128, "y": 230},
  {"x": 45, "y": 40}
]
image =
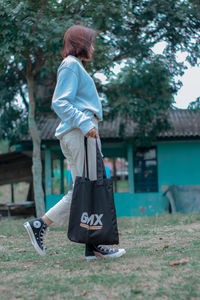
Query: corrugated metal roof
[{"x": 184, "y": 123}]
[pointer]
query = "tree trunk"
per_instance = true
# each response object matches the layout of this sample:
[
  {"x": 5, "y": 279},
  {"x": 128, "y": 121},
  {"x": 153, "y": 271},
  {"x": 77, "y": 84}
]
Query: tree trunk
[{"x": 36, "y": 157}]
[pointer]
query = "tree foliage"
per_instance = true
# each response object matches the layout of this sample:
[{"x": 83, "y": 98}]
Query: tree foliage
[
  {"x": 13, "y": 118},
  {"x": 31, "y": 40},
  {"x": 195, "y": 105},
  {"x": 146, "y": 93}
]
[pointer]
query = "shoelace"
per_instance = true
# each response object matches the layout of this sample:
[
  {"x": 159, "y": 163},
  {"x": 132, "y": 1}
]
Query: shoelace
[
  {"x": 105, "y": 248},
  {"x": 43, "y": 235}
]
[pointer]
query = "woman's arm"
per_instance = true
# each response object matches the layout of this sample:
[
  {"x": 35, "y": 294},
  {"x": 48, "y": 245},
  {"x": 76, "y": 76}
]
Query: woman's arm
[{"x": 63, "y": 97}]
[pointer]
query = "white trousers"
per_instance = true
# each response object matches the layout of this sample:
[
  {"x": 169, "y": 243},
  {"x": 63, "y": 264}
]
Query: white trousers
[{"x": 72, "y": 146}]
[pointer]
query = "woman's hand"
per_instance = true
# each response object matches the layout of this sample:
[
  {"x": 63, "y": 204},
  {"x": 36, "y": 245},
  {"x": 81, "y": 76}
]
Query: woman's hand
[{"x": 92, "y": 133}]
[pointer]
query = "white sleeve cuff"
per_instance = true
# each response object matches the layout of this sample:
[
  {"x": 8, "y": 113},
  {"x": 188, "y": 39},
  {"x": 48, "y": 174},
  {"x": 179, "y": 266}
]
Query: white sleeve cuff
[{"x": 86, "y": 126}]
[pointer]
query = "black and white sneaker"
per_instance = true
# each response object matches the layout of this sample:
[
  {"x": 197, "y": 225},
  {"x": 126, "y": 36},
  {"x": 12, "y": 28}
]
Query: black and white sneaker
[
  {"x": 36, "y": 229},
  {"x": 102, "y": 251}
]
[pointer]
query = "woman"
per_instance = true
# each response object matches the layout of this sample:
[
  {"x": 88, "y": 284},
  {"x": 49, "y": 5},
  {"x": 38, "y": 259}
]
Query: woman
[{"x": 76, "y": 102}]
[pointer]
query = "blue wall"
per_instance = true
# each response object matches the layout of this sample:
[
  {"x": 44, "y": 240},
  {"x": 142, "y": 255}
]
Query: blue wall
[
  {"x": 178, "y": 163},
  {"x": 128, "y": 204},
  {"x": 140, "y": 204}
]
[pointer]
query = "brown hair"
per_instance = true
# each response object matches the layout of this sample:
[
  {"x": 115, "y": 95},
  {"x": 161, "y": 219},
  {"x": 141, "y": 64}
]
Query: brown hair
[{"x": 77, "y": 42}]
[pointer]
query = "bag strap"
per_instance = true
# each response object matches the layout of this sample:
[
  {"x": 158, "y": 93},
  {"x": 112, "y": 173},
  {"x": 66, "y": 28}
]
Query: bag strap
[
  {"x": 85, "y": 160},
  {"x": 101, "y": 172}
]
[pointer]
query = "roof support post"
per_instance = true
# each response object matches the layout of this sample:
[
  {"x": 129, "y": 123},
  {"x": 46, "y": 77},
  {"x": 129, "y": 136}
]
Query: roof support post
[
  {"x": 12, "y": 193},
  {"x": 61, "y": 175},
  {"x": 48, "y": 184},
  {"x": 130, "y": 168}
]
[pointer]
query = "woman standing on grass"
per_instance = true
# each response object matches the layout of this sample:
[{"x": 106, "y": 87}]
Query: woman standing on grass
[{"x": 76, "y": 102}]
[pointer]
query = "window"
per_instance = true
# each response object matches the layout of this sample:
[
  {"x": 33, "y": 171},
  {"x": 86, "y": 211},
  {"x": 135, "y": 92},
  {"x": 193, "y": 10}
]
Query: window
[
  {"x": 117, "y": 169},
  {"x": 145, "y": 170}
]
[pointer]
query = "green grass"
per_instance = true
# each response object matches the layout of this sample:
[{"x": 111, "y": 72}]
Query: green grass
[
  {"x": 143, "y": 273},
  {"x": 122, "y": 186}
]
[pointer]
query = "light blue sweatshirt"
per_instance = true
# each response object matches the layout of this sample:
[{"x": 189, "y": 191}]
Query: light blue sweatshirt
[{"x": 75, "y": 99}]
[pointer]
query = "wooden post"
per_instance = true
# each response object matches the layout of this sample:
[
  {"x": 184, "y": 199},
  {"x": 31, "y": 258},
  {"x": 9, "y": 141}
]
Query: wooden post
[
  {"x": 12, "y": 193},
  {"x": 71, "y": 183},
  {"x": 61, "y": 175},
  {"x": 30, "y": 195},
  {"x": 48, "y": 185},
  {"x": 114, "y": 174},
  {"x": 130, "y": 168}
]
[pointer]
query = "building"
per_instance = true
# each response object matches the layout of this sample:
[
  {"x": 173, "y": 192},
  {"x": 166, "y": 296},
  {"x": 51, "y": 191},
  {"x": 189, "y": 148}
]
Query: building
[{"x": 141, "y": 176}]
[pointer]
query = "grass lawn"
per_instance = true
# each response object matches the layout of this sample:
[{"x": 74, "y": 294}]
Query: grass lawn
[{"x": 152, "y": 243}]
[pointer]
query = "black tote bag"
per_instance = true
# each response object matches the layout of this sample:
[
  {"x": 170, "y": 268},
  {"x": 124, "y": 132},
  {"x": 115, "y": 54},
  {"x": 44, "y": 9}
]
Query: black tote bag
[{"x": 92, "y": 216}]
